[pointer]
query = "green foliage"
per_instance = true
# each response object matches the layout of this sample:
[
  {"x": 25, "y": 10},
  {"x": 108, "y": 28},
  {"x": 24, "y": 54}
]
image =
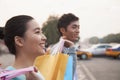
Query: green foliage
[
  {"x": 50, "y": 30},
  {"x": 94, "y": 40},
  {"x": 111, "y": 38}
]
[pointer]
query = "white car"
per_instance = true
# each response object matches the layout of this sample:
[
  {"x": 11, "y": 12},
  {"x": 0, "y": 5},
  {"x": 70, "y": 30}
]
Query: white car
[{"x": 98, "y": 49}]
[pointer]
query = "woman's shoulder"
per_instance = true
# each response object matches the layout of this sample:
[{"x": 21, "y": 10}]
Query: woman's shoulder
[{"x": 10, "y": 68}]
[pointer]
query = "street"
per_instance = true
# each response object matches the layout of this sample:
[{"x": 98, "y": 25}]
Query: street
[{"x": 99, "y": 68}]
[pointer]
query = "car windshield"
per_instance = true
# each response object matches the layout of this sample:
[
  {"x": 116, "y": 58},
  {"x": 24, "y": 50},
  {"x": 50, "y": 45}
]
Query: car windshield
[{"x": 100, "y": 46}]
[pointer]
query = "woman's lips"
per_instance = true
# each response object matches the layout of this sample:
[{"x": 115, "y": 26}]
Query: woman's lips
[{"x": 42, "y": 45}]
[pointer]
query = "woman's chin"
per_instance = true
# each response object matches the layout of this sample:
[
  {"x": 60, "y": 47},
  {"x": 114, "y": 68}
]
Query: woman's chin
[{"x": 43, "y": 52}]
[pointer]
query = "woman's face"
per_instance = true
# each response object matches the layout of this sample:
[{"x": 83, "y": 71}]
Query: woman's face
[{"x": 34, "y": 40}]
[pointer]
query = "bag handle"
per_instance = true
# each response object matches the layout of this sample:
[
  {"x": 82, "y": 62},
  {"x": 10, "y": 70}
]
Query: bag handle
[
  {"x": 57, "y": 48},
  {"x": 61, "y": 45},
  {"x": 13, "y": 73}
]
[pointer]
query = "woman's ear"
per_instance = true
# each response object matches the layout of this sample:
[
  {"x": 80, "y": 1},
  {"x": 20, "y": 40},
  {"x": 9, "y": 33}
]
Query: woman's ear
[
  {"x": 62, "y": 30},
  {"x": 18, "y": 41}
]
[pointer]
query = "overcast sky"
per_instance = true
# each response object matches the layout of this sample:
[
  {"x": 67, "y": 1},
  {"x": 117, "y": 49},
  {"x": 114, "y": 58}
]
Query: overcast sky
[{"x": 97, "y": 17}]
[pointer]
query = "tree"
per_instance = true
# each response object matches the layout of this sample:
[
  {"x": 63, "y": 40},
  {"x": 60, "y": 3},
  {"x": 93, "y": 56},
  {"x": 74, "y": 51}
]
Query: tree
[
  {"x": 118, "y": 38},
  {"x": 94, "y": 40},
  {"x": 111, "y": 38},
  {"x": 50, "y": 30}
]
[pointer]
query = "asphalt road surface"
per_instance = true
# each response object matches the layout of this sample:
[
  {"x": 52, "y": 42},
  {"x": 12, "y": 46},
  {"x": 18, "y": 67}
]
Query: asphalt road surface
[{"x": 99, "y": 68}]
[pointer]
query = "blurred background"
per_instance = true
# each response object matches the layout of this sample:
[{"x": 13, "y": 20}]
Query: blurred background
[{"x": 99, "y": 44}]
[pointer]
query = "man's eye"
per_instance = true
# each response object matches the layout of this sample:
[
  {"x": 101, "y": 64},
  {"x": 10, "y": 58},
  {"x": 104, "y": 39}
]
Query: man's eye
[{"x": 74, "y": 27}]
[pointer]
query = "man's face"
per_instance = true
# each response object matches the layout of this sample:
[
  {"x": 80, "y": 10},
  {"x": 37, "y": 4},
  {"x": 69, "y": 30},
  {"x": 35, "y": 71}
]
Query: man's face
[{"x": 72, "y": 31}]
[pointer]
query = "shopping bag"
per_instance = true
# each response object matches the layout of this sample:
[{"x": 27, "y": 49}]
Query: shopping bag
[
  {"x": 9, "y": 74},
  {"x": 53, "y": 67},
  {"x": 69, "y": 69}
]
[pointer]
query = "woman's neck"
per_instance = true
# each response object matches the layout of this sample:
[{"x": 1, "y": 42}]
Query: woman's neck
[{"x": 22, "y": 61}]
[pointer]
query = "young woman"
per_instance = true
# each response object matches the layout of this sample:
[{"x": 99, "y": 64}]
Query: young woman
[{"x": 25, "y": 40}]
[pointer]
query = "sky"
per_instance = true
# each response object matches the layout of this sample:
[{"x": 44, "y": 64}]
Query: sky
[{"x": 97, "y": 17}]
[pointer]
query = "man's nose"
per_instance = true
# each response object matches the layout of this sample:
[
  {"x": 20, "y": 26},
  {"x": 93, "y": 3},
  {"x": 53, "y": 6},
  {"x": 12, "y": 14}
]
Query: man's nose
[{"x": 77, "y": 30}]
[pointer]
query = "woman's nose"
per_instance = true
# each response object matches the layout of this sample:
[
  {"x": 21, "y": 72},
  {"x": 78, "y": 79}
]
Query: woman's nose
[{"x": 44, "y": 37}]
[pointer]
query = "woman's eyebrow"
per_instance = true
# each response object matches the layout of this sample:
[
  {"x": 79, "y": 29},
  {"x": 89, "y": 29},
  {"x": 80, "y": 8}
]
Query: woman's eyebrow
[{"x": 37, "y": 28}]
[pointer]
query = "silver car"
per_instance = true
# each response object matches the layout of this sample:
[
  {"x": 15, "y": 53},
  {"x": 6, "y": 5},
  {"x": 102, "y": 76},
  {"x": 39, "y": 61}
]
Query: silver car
[{"x": 98, "y": 49}]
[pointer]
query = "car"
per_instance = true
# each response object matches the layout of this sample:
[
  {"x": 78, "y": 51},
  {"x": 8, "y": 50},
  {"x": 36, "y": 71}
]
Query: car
[
  {"x": 98, "y": 49},
  {"x": 83, "y": 55},
  {"x": 114, "y": 51}
]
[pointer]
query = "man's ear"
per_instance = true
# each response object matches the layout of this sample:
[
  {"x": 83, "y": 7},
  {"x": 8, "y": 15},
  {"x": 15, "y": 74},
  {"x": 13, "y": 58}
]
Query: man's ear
[
  {"x": 62, "y": 30},
  {"x": 18, "y": 41}
]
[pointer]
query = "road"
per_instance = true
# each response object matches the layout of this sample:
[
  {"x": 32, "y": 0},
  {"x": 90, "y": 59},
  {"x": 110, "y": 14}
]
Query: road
[
  {"x": 94, "y": 69},
  {"x": 99, "y": 68}
]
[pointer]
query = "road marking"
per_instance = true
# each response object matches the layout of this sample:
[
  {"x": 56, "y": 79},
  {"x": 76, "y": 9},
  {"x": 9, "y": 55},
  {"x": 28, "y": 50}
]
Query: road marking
[{"x": 88, "y": 72}]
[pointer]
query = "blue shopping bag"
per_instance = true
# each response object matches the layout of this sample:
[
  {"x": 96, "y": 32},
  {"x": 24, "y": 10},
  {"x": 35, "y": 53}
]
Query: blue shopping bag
[{"x": 69, "y": 69}]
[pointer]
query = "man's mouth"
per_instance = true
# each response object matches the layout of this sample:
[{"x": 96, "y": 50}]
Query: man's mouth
[{"x": 76, "y": 35}]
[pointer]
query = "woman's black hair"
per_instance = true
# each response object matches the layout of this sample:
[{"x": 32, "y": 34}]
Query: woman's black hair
[
  {"x": 1, "y": 33},
  {"x": 16, "y": 26}
]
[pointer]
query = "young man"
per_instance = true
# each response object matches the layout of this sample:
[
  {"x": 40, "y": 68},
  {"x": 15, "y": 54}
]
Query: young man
[{"x": 68, "y": 26}]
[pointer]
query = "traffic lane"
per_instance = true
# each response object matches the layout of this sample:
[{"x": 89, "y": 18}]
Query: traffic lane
[{"x": 100, "y": 68}]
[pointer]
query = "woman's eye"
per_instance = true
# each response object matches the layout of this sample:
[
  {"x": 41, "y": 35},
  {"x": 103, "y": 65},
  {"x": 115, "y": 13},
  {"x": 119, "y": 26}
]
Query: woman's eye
[{"x": 37, "y": 32}]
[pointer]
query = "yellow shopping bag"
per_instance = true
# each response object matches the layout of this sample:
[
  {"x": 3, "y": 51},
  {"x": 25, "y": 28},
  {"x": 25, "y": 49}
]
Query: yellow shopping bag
[{"x": 52, "y": 67}]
